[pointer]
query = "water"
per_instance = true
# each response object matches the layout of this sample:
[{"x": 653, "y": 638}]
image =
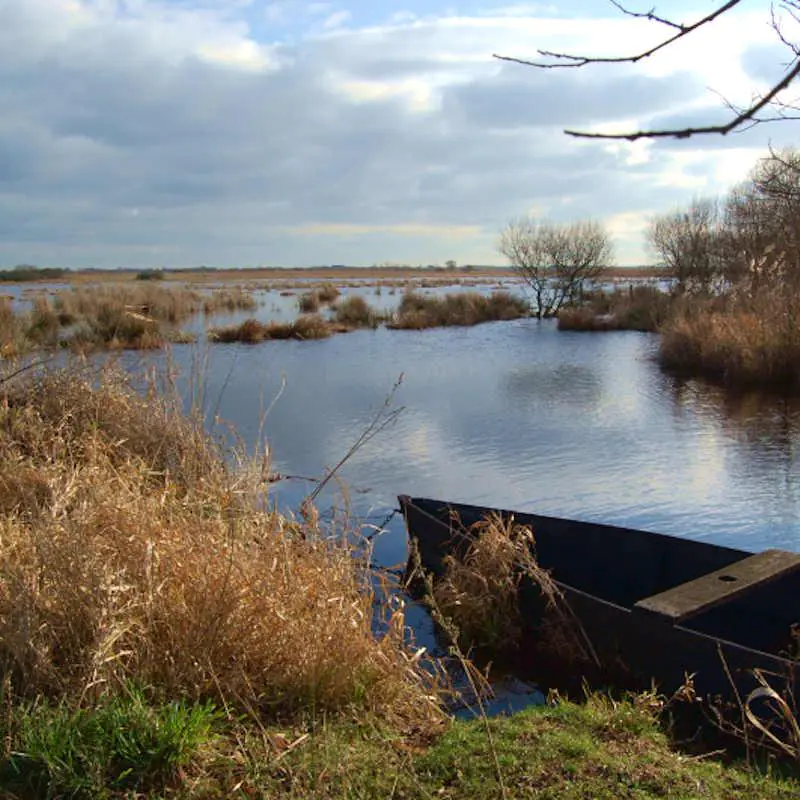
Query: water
[{"x": 519, "y": 415}]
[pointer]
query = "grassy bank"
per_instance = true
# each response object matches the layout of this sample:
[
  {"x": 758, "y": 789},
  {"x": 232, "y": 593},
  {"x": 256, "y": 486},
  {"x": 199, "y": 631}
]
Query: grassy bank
[
  {"x": 138, "y": 315},
  {"x": 599, "y": 749}
]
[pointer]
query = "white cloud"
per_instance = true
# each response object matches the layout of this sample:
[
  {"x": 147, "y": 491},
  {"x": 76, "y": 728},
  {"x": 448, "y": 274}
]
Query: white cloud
[{"x": 155, "y": 129}]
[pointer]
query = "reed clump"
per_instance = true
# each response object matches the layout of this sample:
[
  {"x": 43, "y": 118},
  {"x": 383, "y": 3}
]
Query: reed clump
[
  {"x": 133, "y": 553},
  {"x": 229, "y": 300},
  {"x": 327, "y": 293},
  {"x": 418, "y": 311},
  {"x": 751, "y": 340},
  {"x": 308, "y": 303},
  {"x": 252, "y": 331},
  {"x": 161, "y": 303},
  {"x": 356, "y": 312},
  {"x": 638, "y": 308}
]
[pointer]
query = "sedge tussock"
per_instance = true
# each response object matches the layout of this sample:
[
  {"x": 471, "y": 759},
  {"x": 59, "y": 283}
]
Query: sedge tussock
[{"x": 132, "y": 552}]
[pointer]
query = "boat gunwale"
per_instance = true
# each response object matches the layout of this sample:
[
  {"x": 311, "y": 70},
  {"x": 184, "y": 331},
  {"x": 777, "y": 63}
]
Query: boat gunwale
[{"x": 570, "y": 589}]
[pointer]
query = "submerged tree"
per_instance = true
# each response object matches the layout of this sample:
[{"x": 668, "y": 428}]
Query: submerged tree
[
  {"x": 751, "y": 114},
  {"x": 556, "y": 260}
]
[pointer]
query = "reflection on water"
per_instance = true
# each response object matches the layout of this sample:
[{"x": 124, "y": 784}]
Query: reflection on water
[{"x": 519, "y": 415}]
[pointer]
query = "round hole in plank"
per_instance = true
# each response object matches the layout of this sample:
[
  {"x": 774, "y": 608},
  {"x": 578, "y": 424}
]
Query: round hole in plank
[{"x": 727, "y": 578}]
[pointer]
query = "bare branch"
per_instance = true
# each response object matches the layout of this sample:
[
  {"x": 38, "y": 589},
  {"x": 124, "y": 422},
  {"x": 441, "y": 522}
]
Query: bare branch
[
  {"x": 648, "y": 15},
  {"x": 747, "y": 115},
  {"x": 743, "y": 118},
  {"x": 568, "y": 60}
]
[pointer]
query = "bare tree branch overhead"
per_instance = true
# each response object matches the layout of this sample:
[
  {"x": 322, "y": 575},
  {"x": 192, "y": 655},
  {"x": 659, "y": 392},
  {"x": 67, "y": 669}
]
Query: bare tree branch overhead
[{"x": 742, "y": 117}]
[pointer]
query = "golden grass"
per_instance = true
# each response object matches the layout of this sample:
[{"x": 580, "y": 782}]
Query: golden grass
[
  {"x": 131, "y": 551},
  {"x": 750, "y": 341},
  {"x": 417, "y": 311},
  {"x": 480, "y": 595},
  {"x": 639, "y": 308},
  {"x": 251, "y": 331},
  {"x": 356, "y": 312}
]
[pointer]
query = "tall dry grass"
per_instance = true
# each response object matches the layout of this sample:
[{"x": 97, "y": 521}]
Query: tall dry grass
[
  {"x": 356, "y": 312},
  {"x": 741, "y": 340},
  {"x": 638, "y": 308},
  {"x": 481, "y": 596},
  {"x": 417, "y": 311},
  {"x": 131, "y": 551},
  {"x": 252, "y": 331}
]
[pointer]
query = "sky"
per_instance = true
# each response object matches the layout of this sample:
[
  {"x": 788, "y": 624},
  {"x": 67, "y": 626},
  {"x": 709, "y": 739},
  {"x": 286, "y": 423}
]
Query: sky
[{"x": 177, "y": 133}]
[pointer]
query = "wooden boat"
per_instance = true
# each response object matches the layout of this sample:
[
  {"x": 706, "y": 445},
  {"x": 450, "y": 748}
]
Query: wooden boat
[{"x": 655, "y": 607}]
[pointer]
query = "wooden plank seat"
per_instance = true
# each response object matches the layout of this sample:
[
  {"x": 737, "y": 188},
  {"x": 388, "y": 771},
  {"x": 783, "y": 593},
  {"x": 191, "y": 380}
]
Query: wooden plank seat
[{"x": 721, "y": 586}]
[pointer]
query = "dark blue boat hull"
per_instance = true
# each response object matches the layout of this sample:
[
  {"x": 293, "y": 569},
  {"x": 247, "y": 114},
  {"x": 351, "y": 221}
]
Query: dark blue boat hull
[{"x": 604, "y": 571}]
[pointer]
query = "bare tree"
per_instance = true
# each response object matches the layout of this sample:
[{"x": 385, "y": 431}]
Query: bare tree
[
  {"x": 686, "y": 241},
  {"x": 556, "y": 260},
  {"x": 749, "y": 115},
  {"x": 764, "y": 221}
]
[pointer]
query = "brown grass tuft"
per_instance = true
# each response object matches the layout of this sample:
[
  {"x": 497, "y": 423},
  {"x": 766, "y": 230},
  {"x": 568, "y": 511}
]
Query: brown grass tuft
[
  {"x": 740, "y": 341},
  {"x": 417, "y": 311},
  {"x": 228, "y": 300},
  {"x": 308, "y": 302},
  {"x": 251, "y": 331},
  {"x": 356, "y": 312},
  {"x": 327, "y": 293},
  {"x": 132, "y": 551}
]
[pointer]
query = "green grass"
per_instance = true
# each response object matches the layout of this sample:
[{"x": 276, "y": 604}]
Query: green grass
[
  {"x": 592, "y": 750},
  {"x": 598, "y": 749},
  {"x": 121, "y": 744}
]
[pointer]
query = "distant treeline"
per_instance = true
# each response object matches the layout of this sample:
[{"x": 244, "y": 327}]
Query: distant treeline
[{"x": 30, "y": 273}]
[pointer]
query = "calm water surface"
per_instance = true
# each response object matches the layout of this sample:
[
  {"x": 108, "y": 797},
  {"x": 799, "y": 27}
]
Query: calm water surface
[{"x": 519, "y": 415}]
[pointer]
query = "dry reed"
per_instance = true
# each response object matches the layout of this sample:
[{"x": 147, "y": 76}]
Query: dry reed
[
  {"x": 130, "y": 550},
  {"x": 251, "y": 331},
  {"x": 638, "y": 308},
  {"x": 308, "y": 302},
  {"x": 736, "y": 340},
  {"x": 417, "y": 311},
  {"x": 355, "y": 312},
  {"x": 481, "y": 589}
]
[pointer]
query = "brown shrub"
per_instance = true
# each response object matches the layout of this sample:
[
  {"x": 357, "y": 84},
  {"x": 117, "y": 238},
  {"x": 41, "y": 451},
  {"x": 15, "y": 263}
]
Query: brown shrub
[
  {"x": 134, "y": 552},
  {"x": 639, "y": 308}
]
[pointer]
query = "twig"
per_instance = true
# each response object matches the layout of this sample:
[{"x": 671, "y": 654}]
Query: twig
[
  {"x": 569, "y": 60},
  {"x": 382, "y": 419},
  {"x": 742, "y": 116}
]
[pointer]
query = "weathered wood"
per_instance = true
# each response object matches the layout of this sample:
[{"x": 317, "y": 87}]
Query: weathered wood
[{"x": 723, "y": 585}]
